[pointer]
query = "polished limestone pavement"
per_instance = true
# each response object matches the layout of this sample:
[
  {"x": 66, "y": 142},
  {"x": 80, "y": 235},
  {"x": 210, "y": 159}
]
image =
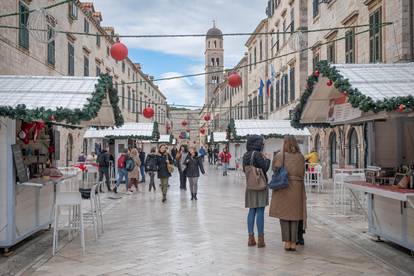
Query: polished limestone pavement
[{"x": 181, "y": 237}]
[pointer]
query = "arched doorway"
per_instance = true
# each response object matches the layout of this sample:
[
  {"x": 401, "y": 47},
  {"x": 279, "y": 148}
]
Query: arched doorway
[
  {"x": 69, "y": 150},
  {"x": 353, "y": 155},
  {"x": 333, "y": 153}
]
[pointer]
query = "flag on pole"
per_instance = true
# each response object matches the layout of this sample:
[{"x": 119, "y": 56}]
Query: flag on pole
[
  {"x": 261, "y": 88},
  {"x": 268, "y": 84}
]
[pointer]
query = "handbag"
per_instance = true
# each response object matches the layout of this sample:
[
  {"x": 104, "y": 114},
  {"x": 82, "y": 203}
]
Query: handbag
[
  {"x": 170, "y": 167},
  {"x": 255, "y": 178},
  {"x": 280, "y": 179}
]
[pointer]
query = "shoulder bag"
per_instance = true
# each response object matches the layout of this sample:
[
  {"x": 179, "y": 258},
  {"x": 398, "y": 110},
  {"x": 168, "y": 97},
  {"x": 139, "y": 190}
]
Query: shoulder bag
[
  {"x": 280, "y": 178},
  {"x": 255, "y": 178}
]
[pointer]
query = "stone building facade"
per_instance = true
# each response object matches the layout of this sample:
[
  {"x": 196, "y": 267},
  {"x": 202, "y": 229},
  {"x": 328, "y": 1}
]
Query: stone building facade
[{"x": 75, "y": 55}]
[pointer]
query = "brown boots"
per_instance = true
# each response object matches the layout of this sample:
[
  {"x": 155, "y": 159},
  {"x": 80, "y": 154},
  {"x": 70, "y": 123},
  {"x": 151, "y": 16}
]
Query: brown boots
[
  {"x": 261, "y": 242},
  {"x": 252, "y": 241}
]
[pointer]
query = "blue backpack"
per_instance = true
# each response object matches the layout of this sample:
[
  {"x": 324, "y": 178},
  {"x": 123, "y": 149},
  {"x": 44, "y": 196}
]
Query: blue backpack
[
  {"x": 280, "y": 179},
  {"x": 130, "y": 164}
]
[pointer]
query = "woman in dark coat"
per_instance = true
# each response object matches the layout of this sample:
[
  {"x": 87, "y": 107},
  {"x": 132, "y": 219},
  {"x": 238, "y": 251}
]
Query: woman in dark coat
[
  {"x": 194, "y": 164},
  {"x": 164, "y": 160},
  {"x": 256, "y": 201}
]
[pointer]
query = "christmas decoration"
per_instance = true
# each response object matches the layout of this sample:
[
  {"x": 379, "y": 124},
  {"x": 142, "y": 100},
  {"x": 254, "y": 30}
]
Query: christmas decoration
[
  {"x": 148, "y": 112},
  {"x": 329, "y": 83},
  {"x": 207, "y": 117},
  {"x": 119, "y": 51},
  {"x": 184, "y": 123},
  {"x": 401, "y": 108},
  {"x": 202, "y": 131},
  {"x": 39, "y": 126},
  {"x": 355, "y": 97},
  {"x": 234, "y": 80},
  {"x": 71, "y": 116},
  {"x": 232, "y": 133}
]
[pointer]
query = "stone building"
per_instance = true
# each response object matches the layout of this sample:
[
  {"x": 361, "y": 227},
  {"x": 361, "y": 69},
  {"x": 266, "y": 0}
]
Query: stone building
[
  {"x": 343, "y": 146},
  {"x": 185, "y": 121},
  {"x": 74, "y": 55}
]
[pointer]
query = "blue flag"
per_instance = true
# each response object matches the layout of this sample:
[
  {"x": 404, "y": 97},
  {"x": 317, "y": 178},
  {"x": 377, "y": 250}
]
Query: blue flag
[{"x": 261, "y": 88}]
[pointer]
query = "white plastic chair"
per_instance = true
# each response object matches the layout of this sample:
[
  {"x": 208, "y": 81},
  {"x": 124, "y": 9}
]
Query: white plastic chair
[
  {"x": 314, "y": 178},
  {"x": 340, "y": 177}
]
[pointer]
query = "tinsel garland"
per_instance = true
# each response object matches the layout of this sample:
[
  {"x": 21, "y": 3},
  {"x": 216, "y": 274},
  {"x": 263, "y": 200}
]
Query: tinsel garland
[
  {"x": 71, "y": 116},
  {"x": 232, "y": 134},
  {"x": 356, "y": 98}
]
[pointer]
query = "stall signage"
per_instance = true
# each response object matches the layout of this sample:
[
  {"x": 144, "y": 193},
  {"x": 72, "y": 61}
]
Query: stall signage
[
  {"x": 21, "y": 169},
  {"x": 340, "y": 110}
]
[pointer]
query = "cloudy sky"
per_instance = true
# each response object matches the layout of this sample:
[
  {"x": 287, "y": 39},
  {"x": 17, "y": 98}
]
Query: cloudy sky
[{"x": 176, "y": 56}]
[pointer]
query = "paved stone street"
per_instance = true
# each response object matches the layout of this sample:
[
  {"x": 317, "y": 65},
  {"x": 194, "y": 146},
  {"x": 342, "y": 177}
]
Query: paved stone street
[{"x": 145, "y": 237}]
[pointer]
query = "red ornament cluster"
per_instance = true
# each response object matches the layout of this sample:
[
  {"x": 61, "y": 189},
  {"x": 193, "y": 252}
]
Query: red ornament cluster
[
  {"x": 184, "y": 123},
  {"x": 207, "y": 117},
  {"x": 329, "y": 83},
  {"x": 119, "y": 51},
  {"x": 401, "y": 108},
  {"x": 202, "y": 131},
  {"x": 148, "y": 112},
  {"x": 234, "y": 80},
  {"x": 316, "y": 73}
]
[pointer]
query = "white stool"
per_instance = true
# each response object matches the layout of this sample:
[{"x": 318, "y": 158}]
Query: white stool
[
  {"x": 91, "y": 217},
  {"x": 72, "y": 200}
]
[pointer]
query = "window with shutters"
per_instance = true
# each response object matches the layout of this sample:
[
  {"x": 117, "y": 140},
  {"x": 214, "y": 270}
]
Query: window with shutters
[
  {"x": 316, "y": 8},
  {"x": 272, "y": 97},
  {"x": 123, "y": 95},
  {"x": 98, "y": 70},
  {"x": 50, "y": 47},
  {"x": 282, "y": 90},
  {"x": 353, "y": 148},
  {"x": 23, "y": 31},
  {"x": 85, "y": 25},
  {"x": 292, "y": 83},
  {"x": 98, "y": 40},
  {"x": 86, "y": 66},
  {"x": 73, "y": 10},
  {"x": 315, "y": 59},
  {"x": 350, "y": 46},
  {"x": 261, "y": 51},
  {"x": 255, "y": 107},
  {"x": 71, "y": 59},
  {"x": 286, "y": 88},
  {"x": 330, "y": 52},
  {"x": 277, "y": 94},
  {"x": 375, "y": 36},
  {"x": 129, "y": 98}
]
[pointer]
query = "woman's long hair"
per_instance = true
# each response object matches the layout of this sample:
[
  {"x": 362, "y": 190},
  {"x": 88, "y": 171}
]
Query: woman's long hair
[
  {"x": 290, "y": 145},
  {"x": 134, "y": 152}
]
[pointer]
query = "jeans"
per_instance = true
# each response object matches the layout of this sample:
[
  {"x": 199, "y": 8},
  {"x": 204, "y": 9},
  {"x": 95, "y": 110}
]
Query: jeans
[
  {"x": 257, "y": 213},
  {"x": 225, "y": 168},
  {"x": 142, "y": 169},
  {"x": 105, "y": 171},
  {"x": 193, "y": 184},
  {"x": 122, "y": 174},
  {"x": 152, "y": 182}
]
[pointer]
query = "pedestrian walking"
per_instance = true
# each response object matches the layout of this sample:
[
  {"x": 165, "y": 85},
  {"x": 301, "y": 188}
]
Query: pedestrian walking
[
  {"x": 133, "y": 175},
  {"x": 103, "y": 163},
  {"x": 151, "y": 167},
  {"x": 165, "y": 167},
  {"x": 202, "y": 153},
  {"x": 181, "y": 156},
  {"x": 215, "y": 155},
  {"x": 210, "y": 155},
  {"x": 142, "y": 167},
  {"x": 194, "y": 165},
  {"x": 122, "y": 171},
  {"x": 174, "y": 152},
  {"x": 225, "y": 158},
  {"x": 289, "y": 204},
  {"x": 256, "y": 199}
]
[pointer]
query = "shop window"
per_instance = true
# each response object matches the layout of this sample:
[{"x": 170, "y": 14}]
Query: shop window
[
  {"x": 353, "y": 157},
  {"x": 350, "y": 46},
  {"x": 375, "y": 36},
  {"x": 23, "y": 31}
]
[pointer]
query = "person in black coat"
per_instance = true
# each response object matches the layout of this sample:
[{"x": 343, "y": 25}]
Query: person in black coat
[
  {"x": 256, "y": 201},
  {"x": 164, "y": 160},
  {"x": 194, "y": 164},
  {"x": 103, "y": 162}
]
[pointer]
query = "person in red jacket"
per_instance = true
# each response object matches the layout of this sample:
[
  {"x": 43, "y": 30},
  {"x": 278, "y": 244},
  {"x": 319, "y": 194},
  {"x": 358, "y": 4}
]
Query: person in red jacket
[{"x": 225, "y": 157}]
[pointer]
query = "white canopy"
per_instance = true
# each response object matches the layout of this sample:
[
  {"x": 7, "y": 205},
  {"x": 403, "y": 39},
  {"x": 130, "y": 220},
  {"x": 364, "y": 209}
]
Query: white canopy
[
  {"x": 267, "y": 127},
  {"x": 165, "y": 138},
  {"x": 127, "y": 130},
  {"x": 219, "y": 137}
]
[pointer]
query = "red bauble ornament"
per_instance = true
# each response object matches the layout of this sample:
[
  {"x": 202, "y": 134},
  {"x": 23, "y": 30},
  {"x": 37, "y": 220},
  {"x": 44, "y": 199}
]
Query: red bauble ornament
[
  {"x": 148, "y": 112},
  {"x": 52, "y": 118},
  {"x": 202, "y": 131},
  {"x": 184, "y": 123},
  {"x": 234, "y": 80},
  {"x": 329, "y": 83},
  {"x": 317, "y": 73},
  {"x": 401, "y": 108},
  {"x": 119, "y": 51},
  {"x": 207, "y": 117}
]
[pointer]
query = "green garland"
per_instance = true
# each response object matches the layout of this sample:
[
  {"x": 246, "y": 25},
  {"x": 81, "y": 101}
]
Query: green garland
[
  {"x": 232, "y": 134},
  {"x": 356, "y": 98},
  {"x": 71, "y": 116}
]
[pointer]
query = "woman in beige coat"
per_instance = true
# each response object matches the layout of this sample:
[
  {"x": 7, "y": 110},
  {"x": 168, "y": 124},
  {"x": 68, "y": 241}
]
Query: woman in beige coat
[
  {"x": 289, "y": 204},
  {"x": 133, "y": 176}
]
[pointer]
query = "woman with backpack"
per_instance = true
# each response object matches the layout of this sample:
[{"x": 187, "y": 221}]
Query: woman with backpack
[
  {"x": 194, "y": 164},
  {"x": 122, "y": 171},
  {"x": 165, "y": 167},
  {"x": 289, "y": 204},
  {"x": 133, "y": 170},
  {"x": 256, "y": 199},
  {"x": 151, "y": 167}
]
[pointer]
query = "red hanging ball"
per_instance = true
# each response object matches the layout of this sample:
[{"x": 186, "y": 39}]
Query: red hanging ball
[
  {"x": 52, "y": 118},
  {"x": 401, "y": 108},
  {"x": 148, "y": 112},
  {"x": 202, "y": 131},
  {"x": 329, "y": 83},
  {"x": 317, "y": 73},
  {"x": 119, "y": 51},
  {"x": 234, "y": 80},
  {"x": 184, "y": 123},
  {"x": 207, "y": 117}
]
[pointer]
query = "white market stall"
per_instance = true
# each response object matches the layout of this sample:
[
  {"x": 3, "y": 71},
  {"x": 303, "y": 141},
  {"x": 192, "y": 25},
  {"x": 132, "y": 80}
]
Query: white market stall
[
  {"x": 33, "y": 111},
  {"x": 378, "y": 98},
  {"x": 273, "y": 132}
]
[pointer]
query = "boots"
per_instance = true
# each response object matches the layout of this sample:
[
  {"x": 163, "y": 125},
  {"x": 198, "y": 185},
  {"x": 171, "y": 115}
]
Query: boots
[
  {"x": 164, "y": 197},
  {"x": 252, "y": 241},
  {"x": 261, "y": 242},
  {"x": 192, "y": 196},
  {"x": 195, "y": 196}
]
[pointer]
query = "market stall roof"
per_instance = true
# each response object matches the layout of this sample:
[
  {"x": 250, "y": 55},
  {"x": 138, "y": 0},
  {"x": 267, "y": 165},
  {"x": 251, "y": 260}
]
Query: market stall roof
[
  {"x": 371, "y": 90},
  {"x": 166, "y": 139},
  {"x": 71, "y": 100},
  {"x": 143, "y": 131},
  {"x": 219, "y": 137},
  {"x": 266, "y": 128}
]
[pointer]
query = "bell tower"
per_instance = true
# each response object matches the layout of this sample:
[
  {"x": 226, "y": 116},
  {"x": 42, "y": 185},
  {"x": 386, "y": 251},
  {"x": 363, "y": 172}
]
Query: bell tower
[{"x": 214, "y": 61}]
